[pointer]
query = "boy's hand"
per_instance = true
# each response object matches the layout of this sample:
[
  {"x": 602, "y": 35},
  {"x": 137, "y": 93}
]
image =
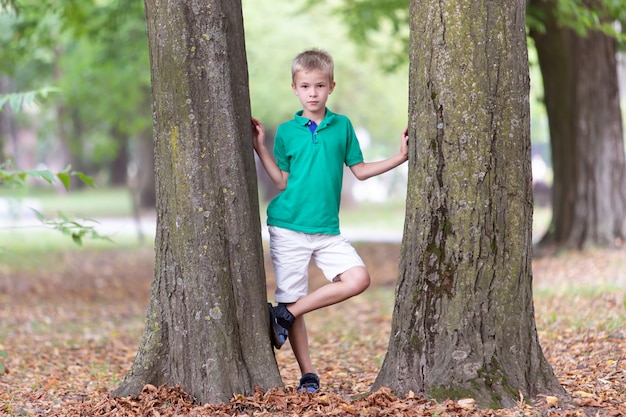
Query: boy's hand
[
  {"x": 404, "y": 143},
  {"x": 258, "y": 134},
  {"x": 258, "y": 140}
]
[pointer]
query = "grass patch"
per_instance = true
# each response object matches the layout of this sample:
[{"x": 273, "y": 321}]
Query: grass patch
[
  {"x": 19, "y": 242},
  {"x": 594, "y": 310},
  {"x": 578, "y": 291},
  {"x": 89, "y": 202},
  {"x": 117, "y": 202}
]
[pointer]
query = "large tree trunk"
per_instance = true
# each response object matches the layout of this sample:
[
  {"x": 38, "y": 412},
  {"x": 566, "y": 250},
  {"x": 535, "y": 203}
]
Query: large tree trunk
[
  {"x": 586, "y": 136},
  {"x": 463, "y": 323},
  {"x": 207, "y": 323}
]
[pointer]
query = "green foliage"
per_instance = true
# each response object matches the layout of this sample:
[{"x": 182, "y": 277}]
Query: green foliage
[
  {"x": 606, "y": 16},
  {"x": 18, "y": 178},
  {"x": 18, "y": 100},
  {"x": 371, "y": 20},
  {"x": 27, "y": 44},
  {"x": 95, "y": 52},
  {"x": 583, "y": 16},
  {"x": 70, "y": 227},
  {"x": 383, "y": 26}
]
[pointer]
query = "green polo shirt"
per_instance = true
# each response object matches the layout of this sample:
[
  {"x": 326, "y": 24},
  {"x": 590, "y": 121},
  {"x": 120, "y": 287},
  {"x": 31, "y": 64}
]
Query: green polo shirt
[{"x": 314, "y": 161}]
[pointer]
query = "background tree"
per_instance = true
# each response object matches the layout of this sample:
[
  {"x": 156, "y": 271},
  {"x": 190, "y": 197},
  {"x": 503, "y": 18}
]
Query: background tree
[
  {"x": 26, "y": 45},
  {"x": 96, "y": 53},
  {"x": 106, "y": 83},
  {"x": 463, "y": 323},
  {"x": 579, "y": 70},
  {"x": 207, "y": 323},
  {"x": 576, "y": 44}
]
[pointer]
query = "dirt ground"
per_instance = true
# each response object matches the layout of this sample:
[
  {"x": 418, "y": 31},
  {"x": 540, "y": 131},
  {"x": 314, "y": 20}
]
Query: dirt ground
[{"x": 70, "y": 325}]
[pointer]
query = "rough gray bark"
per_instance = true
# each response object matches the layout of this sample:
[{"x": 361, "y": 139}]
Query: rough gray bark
[
  {"x": 207, "y": 323},
  {"x": 586, "y": 136},
  {"x": 463, "y": 323}
]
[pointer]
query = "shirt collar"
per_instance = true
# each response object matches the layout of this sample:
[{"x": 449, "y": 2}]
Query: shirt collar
[{"x": 302, "y": 121}]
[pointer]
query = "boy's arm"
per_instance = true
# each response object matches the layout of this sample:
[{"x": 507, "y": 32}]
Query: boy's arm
[
  {"x": 278, "y": 177},
  {"x": 365, "y": 170}
]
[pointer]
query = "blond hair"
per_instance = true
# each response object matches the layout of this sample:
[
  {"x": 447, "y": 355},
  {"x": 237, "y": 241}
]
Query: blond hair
[{"x": 313, "y": 60}]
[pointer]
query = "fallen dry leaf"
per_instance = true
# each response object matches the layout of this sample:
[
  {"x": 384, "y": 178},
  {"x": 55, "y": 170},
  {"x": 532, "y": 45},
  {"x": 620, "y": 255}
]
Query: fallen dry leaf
[
  {"x": 551, "y": 401},
  {"x": 72, "y": 327},
  {"x": 467, "y": 403}
]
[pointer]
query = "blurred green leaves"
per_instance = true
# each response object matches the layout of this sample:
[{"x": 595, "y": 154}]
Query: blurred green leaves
[
  {"x": 95, "y": 54},
  {"x": 19, "y": 178},
  {"x": 72, "y": 227},
  {"x": 17, "y": 101}
]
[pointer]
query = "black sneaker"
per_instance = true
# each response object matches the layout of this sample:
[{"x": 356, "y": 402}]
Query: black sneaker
[
  {"x": 309, "y": 382},
  {"x": 278, "y": 334},
  {"x": 284, "y": 316}
]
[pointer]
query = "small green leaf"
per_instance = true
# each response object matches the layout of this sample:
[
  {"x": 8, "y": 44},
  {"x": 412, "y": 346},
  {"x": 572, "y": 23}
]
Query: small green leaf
[
  {"x": 86, "y": 179},
  {"x": 39, "y": 173},
  {"x": 77, "y": 238},
  {"x": 29, "y": 97},
  {"x": 46, "y": 175},
  {"x": 65, "y": 179},
  {"x": 15, "y": 101},
  {"x": 39, "y": 215}
]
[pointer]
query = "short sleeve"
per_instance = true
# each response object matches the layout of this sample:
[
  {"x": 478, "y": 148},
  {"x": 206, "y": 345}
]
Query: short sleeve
[
  {"x": 354, "y": 155},
  {"x": 279, "y": 152}
]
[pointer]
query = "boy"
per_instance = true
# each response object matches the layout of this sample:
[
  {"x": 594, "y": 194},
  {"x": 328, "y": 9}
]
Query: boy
[{"x": 303, "y": 220}]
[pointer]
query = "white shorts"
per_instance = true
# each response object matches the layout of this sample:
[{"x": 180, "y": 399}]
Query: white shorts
[{"x": 291, "y": 254}]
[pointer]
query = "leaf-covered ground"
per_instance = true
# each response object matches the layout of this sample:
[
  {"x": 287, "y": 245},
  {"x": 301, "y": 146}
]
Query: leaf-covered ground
[{"x": 70, "y": 325}]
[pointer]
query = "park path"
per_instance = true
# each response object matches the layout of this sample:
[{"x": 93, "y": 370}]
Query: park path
[{"x": 146, "y": 227}]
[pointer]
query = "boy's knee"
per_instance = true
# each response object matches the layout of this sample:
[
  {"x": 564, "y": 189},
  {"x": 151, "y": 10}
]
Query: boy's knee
[
  {"x": 365, "y": 279},
  {"x": 358, "y": 277}
]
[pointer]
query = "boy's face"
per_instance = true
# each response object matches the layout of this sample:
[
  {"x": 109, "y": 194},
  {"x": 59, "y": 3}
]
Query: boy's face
[{"x": 313, "y": 89}]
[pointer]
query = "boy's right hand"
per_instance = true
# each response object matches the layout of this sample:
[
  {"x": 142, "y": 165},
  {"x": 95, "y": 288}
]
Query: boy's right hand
[
  {"x": 258, "y": 134},
  {"x": 258, "y": 140}
]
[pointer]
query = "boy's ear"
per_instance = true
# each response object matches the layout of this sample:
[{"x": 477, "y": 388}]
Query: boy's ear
[{"x": 332, "y": 87}]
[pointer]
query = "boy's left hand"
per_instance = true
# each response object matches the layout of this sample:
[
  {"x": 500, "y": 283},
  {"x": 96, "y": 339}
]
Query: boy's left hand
[{"x": 404, "y": 143}]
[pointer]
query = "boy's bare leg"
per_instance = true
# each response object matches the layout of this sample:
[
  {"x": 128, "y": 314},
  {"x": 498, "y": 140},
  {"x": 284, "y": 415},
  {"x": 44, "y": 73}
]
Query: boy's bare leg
[
  {"x": 299, "y": 341},
  {"x": 352, "y": 282}
]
